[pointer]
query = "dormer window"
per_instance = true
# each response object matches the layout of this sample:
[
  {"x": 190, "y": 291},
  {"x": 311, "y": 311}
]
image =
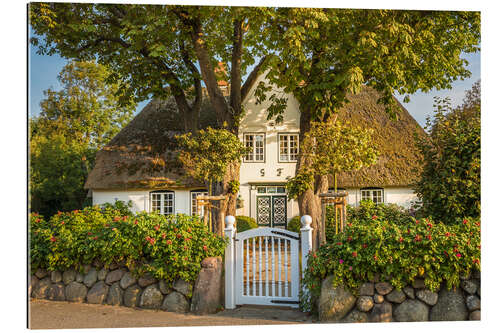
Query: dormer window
[
  {"x": 289, "y": 147},
  {"x": 255, "y": 141}
]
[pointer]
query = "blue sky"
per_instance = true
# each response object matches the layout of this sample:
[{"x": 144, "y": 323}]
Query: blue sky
[{"x": 44, "y": 70}]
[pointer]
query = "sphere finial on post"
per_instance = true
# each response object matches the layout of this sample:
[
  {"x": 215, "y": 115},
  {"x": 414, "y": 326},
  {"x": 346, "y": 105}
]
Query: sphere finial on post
[
  {"x": 230, "y": 221},
  {"x": 306, "y": 221}
]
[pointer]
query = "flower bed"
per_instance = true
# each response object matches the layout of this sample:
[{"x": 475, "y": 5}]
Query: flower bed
[
  {"x": 168, "y": 247},
  {"x": 397, "y": 252}
]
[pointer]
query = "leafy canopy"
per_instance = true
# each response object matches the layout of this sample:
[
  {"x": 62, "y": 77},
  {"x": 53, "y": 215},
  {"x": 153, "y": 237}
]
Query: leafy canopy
[
  {"x": 450, "y": 183},
  {"x": 74, "y": 123},
  {"x": 207, "y": 154}
]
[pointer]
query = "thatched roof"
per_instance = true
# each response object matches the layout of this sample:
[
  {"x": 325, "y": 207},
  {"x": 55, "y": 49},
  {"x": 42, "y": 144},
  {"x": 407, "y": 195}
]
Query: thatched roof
[
  {"x": 397, "y": 164},
  {"x": 143, "y": 154}
]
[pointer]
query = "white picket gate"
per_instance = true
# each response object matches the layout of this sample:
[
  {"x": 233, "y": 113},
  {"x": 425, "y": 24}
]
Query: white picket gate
[{"x": 262, "y": 265}]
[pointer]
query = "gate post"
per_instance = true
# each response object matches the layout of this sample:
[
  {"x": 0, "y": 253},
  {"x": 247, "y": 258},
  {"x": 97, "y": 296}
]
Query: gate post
[
  {"x": 229, "y": 264},
  {"x": 305, "y": 240}
]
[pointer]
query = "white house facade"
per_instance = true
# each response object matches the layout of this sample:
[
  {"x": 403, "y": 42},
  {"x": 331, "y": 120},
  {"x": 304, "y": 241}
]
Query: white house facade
[{"x": 263, "y": 175}]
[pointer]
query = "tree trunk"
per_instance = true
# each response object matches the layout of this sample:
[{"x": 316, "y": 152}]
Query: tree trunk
[{"x": 309, "y": 201}]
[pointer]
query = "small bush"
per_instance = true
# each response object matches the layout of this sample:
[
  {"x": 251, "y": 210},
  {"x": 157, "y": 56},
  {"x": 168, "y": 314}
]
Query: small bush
[
  {"x": 244, "y": 223},
  {"x": 367, "y": 209},
  {"x": 169, "y": 247},
  {"x": 398, "y": 253},
  {"x": 294, "y": 224}
]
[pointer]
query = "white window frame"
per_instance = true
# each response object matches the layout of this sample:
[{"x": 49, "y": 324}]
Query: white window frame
[
  {"x": 258, "y": 154},
  {"x": 193, "y": 195},
  {"x": 373, "y": 193},
  {"x": 166, "y": 201},
  {"x": 285, "y": 148}
]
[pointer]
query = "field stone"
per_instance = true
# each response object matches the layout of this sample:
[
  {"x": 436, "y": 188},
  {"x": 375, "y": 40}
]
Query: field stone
[
  {"x": 409, "y": 291},
  {"x": 473, "y": 303},
  {"x": 396, "y": 296},
  {"x": 163, "y": 286},
  {"x": 41, "y": 273},
  {"x": 101, "y": 275},
  {"x": 151, "y": 298},
  {"x": 68, "y": 276},
  {"x": 427, "y": 296},
  {"x": 411, "y": 310},
  {"x": 355, "y": 316},
  {"x": 79, "y": 277},
  {"x": 475, "y": 315},
  {"x": 76, "y": 292},
  {"x": 469, "y": 286},
  {"x": 33, "y": 282},
  {"x": 449, "y": 307},
  {"x": 147, "y": 280},
  {"x": 55, "y": 276},
  {"x": 131, "y": 296},
  {"x": 364, "y": 303},
  {"x": 367, "y": 289},
  {"x": 90, "y": 278},
  {"x": 127, "y": 280},
  {"x": 378, "y": 298},
  {"x": 208, "y": 289},
  {"x": 383, "y": 288},
  {"x": 115, "y": 295},
  {"x": 381, "y": 313},
  {"x": 183, "y": 287},
  {"x": 334, "y": 303},
  {"x": 175, "y": 302},
  {"x": 40, "y": 291},
  {"x": 114, "y": 276},
  {"x": 56, "y": 292},
  {"x": 97, "y": 294}
]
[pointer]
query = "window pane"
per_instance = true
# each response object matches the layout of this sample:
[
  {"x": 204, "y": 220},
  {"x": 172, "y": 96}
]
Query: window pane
[
  {"x": 259, "y": 147},
  {"x": 168, "y": 203},
  {"x": 194, "y": 203},
  {"x": 249, "y": 144},
  {"x": 283, "y": 147},
  {"x": 294, "y": 147},
  {"x": 365, "y": 195},
  {"x": 155, "y": 202},
  {"x": 280, "y": 189},
  {"x": 271, "y": 189},
  {"x": 261, "y": 189}
]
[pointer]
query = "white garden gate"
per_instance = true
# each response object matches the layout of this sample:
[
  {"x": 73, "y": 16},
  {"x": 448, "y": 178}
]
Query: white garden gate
[{"x": 262, "y": 265}]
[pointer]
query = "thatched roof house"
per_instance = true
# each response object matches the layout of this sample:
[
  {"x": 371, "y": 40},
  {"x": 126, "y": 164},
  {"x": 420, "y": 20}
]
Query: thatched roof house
[{"x": 140, "y": 163}]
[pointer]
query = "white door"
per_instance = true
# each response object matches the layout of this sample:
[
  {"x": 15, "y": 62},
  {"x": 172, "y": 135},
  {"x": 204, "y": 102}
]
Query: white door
[{"x": 267, "y": 267}]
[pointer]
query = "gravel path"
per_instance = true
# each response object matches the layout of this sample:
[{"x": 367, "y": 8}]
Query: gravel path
[{"x": 53, "y": 315}]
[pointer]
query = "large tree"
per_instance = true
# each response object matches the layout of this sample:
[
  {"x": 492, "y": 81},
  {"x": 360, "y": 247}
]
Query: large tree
[
  {"x": 321, "y": 55},
  {"x": 162, "y": 52},
  {"x": 450, "y": 183},
  {"x": 73, "y": 124}
]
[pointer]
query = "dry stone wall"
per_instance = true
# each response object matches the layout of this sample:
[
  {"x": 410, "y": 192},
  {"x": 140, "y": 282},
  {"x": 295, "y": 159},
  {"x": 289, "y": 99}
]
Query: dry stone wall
[
  {"x": 381, "y": 302},
  {"x": 116, "y": 285}
]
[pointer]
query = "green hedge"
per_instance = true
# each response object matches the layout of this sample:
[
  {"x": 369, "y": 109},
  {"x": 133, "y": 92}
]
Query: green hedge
[
  {"x": 398, "y": 253},
  {"x": 244, "y": 223},
  {"x": 294, "y": 224},
  {"x": 169, "y": 247}
]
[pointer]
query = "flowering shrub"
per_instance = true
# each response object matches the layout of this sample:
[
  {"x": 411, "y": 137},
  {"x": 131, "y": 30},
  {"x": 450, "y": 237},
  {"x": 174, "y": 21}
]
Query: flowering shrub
[
  {"x": 169, "y": 247},
  {"x": 398, "y": 253}
]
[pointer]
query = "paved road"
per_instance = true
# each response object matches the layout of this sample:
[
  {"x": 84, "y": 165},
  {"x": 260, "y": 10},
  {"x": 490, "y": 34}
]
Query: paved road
[{"x": 53, "y": 315}]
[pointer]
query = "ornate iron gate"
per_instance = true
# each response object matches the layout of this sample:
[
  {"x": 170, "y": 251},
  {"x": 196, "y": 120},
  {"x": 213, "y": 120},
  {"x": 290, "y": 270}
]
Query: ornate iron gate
[{"x": 271, "y": 210}]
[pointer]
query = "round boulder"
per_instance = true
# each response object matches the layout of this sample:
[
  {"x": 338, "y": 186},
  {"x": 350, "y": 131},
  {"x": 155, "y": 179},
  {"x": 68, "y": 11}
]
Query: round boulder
[
  {"x": 409, "y": 291},
  {"x": 131, "y": 296},
  {"x": 127, "y": 280},
  {"x": 367, "y": 289},
  {"x": 378, "y": 298},
  {"x": 427, "y": 296},
  {"x": 411, "y": 310},
  {"x": 396, "y": 296},
  {"x": 383, "y": 288},
  {"x": 115, "y": 295},
  {"x": 475, "y": 315},
  {"x": 56, "y": 292},
  {"x": 355, "y": 316},
  {"x": 151, "y": 298},
  {"x": 55, "y": 276},
  {"x": 334, "y": 303},
  {"x": 183, "y": 287},
  {"x": 101, "y": 275},
  {"x": 469, "y": 286},
  {"x": 41, "y": 273},
  {"x": 146, "y": 280},
  {"x": 68, "y": 276},
  {"x": 364, "y": 303},
  {"x": 90, "y": 278},
  {"x": 449, "y": 307},
  {"x": 163, "y": 287},
  {"x": 381, "y": 313},
  {"x": 473, "y": 303},
  {"x": 175, "y": 302},
  {"x": 97, "y": 294},
  {"x": 114, "y": 276},
  {"x": 41, "y": 289},
  {"x": 33, "y": 282},
  {"x": 76, "y": 292}
]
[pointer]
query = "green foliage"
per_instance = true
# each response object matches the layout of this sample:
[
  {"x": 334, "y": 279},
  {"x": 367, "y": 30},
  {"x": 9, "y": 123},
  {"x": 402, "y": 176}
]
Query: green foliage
[
  {"x": 330, "y": 148},
  {"x": 398, "y": 253},
  {"x": 244, "y": 223},
  {"x": 450, "y": 183},
  {"x": 121, "y": 206},
  {"x": 207, "y": 154},
  {"x": 234, "y": 186},
  {"x": 367, "y": 209},
  {"x": 74, "y": 123},
  {"x": 294, "y": 224},
  {"x": 168, "y": 247}
]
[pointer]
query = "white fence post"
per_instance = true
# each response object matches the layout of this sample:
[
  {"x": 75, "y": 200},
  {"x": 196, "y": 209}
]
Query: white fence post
[
  {"x": 229, "y": 263},
  {"x": 305, "y": 240}
]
